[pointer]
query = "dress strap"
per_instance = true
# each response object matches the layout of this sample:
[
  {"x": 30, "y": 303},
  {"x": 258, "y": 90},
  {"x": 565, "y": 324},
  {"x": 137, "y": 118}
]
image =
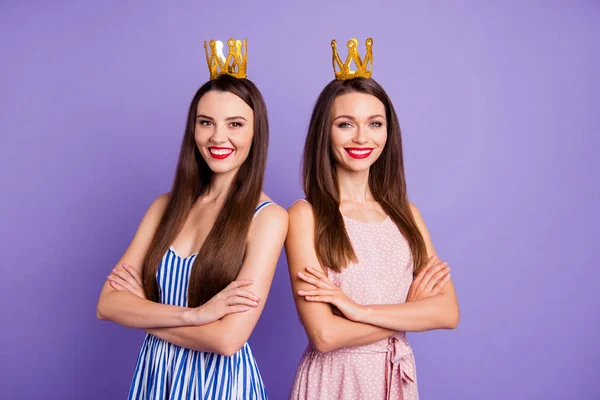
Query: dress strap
[{"x": 261, "y": 206}]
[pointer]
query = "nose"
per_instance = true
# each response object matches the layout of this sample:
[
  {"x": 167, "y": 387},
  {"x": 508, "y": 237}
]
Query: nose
[
  {"x": 360, "y": 136},
  {"x": 219, "y": 135}
]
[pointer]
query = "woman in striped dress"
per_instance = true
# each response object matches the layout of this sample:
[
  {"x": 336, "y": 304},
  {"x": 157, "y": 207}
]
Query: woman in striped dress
[{"x": 198, "y": 270}]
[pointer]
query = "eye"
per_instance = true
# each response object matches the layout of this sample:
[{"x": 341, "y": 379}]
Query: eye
[
  {"x": 236, "y": 124},
  {"x": 376, "y": 124},
  {"x": 344, "y": 125},
  {"x": 204, "y": 122}
]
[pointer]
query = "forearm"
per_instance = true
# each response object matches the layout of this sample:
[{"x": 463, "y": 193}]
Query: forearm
[
  {"x": 437, "y": 312},
  {"x": 129, "y": 310},
  {"x": 215, "y": 337},
  {"x": 340, "y": 332}
]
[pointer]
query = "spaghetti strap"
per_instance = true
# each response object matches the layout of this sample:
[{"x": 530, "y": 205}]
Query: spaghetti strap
[
  {"x": 261, "y": 206},
  {"x": 303, "y": 200}
]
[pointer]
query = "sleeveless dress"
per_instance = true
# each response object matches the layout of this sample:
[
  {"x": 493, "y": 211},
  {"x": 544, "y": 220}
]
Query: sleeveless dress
[
  {"x": 380, "y": 370},
  {"x": 167, "y": 371}
]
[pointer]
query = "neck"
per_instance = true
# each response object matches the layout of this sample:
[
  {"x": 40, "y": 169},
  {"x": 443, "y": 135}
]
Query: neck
[
  {"x": 219, "y": 186},
  {"x": 354, "y": 186}
]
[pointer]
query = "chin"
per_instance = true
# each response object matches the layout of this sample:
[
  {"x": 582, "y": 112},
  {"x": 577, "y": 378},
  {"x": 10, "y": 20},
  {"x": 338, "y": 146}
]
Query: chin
[
  {"x": 358, "y": 165},
  {"x": 221, "y": 169}
]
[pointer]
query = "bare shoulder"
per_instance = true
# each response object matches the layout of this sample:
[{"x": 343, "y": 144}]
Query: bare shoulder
[
  {"x": 422, "y": 229},
  {"x": 415, "y": 212},
  {"x": 418, "y": 218},
  {"x": 158, "y": 206},
  {"x": 272, "y": 217},
  {"x": 301, "y": 212}
]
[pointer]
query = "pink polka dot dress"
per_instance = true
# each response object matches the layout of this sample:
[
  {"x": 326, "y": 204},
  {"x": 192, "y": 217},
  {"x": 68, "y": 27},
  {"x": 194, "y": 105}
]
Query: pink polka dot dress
[{"x": 383, "y": 370}]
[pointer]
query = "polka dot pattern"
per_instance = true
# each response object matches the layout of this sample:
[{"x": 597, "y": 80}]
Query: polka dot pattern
[{"x": 381, "y": 370}]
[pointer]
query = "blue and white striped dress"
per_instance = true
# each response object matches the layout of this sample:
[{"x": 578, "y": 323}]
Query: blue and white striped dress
[{"x": 167, "y": 371}]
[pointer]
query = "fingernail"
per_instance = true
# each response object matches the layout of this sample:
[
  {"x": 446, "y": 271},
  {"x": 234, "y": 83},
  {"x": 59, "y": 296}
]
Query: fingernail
[
  {"x": 300, "y": 291},
  {"x": 109, "y": 277},
  {"x": 300, "y": 274}
]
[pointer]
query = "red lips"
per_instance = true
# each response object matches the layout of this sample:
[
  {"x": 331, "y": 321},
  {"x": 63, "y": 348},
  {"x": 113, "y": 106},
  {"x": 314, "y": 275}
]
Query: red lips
[
  {"x": 220, "y": 153},
  {"x": 359, "y": 152}
]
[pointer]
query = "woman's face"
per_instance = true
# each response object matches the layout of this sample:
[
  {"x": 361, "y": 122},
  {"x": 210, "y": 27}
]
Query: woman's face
[
  {"x": 358, "y": 130},
  {"x": 224, "y": 130}
]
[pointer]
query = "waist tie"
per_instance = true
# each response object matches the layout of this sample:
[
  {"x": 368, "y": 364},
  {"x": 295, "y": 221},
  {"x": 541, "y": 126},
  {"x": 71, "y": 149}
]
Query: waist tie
[{"x": 401, "y": 366}]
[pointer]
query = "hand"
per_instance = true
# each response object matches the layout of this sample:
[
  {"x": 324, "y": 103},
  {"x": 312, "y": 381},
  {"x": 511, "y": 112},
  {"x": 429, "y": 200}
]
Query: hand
[
  {"x": 126, "y": 278},
  {"x": 327, "y": 292},
  {"x": 430, "y": 281},
  {"x": 232, "y": 299}
]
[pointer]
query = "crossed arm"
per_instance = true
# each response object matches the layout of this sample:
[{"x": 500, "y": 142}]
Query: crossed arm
[
  {"x": 360, "y": 324},
  {"x": 223, "y": 324}
]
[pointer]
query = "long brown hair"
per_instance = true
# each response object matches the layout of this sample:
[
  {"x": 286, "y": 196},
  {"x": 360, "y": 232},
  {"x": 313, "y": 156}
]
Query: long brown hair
[
  {"x": 386, "y": 179},
  {"x": 220, "y": 258}
]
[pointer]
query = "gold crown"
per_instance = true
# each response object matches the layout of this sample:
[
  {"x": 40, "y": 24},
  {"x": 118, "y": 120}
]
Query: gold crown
[
  {"x": 234, "y": 64},
  {"x": 363, "y": 68}
]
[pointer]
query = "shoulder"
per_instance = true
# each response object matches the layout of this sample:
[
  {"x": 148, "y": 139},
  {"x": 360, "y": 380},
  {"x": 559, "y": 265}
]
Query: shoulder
[
  {"x": 416, "y": 213},
  {"x": 300, "y": 210},
  {"x": 419, "y": 221},
  {"x": 158, "y": 206},
  {"x": 272, "y": 217},
  {"x": 160, "y": 203}
]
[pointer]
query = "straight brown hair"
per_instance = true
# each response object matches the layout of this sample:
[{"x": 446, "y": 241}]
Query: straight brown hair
[
  {"x": 386, "y": 179},
  {"x": 220, "y": 258}
]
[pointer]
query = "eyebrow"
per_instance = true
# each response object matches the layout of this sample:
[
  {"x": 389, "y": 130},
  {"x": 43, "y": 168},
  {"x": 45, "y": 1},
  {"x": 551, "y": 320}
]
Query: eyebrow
[
  {"x": 226, "y": 119},
  {"x": 352, "y": 118}
]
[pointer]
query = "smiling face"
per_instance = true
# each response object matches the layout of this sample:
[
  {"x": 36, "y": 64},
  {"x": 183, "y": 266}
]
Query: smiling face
[
  {"x": 358, "y": 130},
  {"x": 224, "y": 130}
]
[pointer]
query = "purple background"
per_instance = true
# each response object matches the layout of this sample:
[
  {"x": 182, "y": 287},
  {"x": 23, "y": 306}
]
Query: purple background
[{"x": 499, "y": 109}]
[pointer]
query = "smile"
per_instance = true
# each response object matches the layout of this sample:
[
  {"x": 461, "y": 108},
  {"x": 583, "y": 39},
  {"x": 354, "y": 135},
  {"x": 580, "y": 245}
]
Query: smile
[
  {"x": 220, "y": 153},
  {"x": 356, "y": 152}
]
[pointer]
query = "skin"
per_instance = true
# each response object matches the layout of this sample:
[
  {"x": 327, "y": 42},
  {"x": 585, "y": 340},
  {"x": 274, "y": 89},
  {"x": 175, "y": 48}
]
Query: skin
[
  {"x": 332, "y": 320},
  {"x": 223, "y": 324}
]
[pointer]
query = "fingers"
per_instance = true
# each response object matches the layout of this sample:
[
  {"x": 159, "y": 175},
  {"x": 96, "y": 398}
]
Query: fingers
[
  {"x": 133, "y": 272},
  {"x": 318, "y": 273},
  {"x": 428, "y": 264},
  {"x": 237, "y": 309},
  {"x": 116, "y": 286},
  {"x": 441, "y": 284},
  {"x": 318, "y": 281},
  {"x": 319, "y": 295},
  {"x": 244, "y": 293},
  {"x": 239, "y": 284},
  {"x": 437, "y": 267},
  {"x": 436, "y": 277},
  {"x": 125, "y": 275},
  {"x": 311, "y": 279},
  {"x": 319, "y": 299},
  {"x": 316, "y": 292},
  {"x": 121, "y": 282},
  {"x": 239, "y": 300}
]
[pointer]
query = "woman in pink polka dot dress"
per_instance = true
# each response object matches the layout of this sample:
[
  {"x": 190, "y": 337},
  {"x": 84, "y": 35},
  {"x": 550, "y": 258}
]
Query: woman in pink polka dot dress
[{"x": 353, "y": 248}]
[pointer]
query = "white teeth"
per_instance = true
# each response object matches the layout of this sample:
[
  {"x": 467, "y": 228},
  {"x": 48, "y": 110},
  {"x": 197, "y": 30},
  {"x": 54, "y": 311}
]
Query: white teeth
[
  {"x": 220, "y": 152},
  {"x": 359, "y": 152}
]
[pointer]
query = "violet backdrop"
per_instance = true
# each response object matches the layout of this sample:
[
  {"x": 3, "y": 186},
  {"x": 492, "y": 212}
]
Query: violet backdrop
[{"x": 499, "y": 110}]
